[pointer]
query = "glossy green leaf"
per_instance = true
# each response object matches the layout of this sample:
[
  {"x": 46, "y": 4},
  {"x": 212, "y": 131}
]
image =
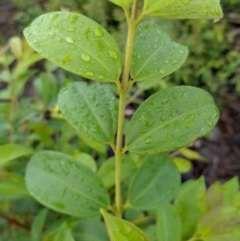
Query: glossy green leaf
[
  {"x": 184, "y": 9},
  {"x": 12, "y": 151},
  {"x": 155, "y": 55},
  {"x": 122, "y": 3},
  {"x": 65, "y": 185},
  {"x": 156, "y": 181},
  {"x": 170, "y": 119},
  {"x": 61, "y": 234},
  {"x": 91, "y": 109},
  {"x": 12, "y": 186},
  {"x": 37, "y": 226},
  {"x": 106, "y": 172},
  {"x": 168, "y": 223},
  {"x": 220, "y": 224},
  {"x": 190, "y": 205},
  {"x": 230, "y": 190},
  {"x": 119, "y": 229},
  {"x": 183, "y": 165},
  {"x": 90, "y": 230},
  {"x": 77, "y": 44}
]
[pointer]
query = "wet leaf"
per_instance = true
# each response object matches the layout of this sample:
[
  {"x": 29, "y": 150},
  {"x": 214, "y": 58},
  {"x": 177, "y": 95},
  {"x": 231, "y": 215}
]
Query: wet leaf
[
  {"x": 156, "y": 182},
  {"x": 190, "y": 205},
  {"x": 119, "y": 229},
  {"x": 170, "y": 119},
  {"x": 91, "y": 109},
  {"x": 168, "y": 223},
  {"x": 155, "y": 55},
  {"x": 77, "y": 44},
  {"x": 12, "y": 151},
  {"x": 183, "y": 9},
  {"x": 65, "y": 185}
]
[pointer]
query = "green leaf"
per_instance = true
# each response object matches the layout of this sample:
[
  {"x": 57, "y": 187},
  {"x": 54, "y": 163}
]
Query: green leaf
[
  {"x": 214, "y": 196},
  {"x": 90, "y": 230},
  {"x": 77, "y": 44},
  {"x": 220, "y": 224},
  {"x": 125, "y": 4},
  {"x": 65, "y": 185},
  {"x": 12, "y": 186},
  {"x": 190, "y": 205},
  {"x": 230, "y": 190},
  {"x": 12, "y": 151},
  {"x": 61, "y": 234},
  {"x": 154, "y": 54},
  {"x": 183, "y": 165},
  {"x": 37, "y": 226},
  {"x": 170, "y": 119},
  {"x": 192, "y": 155},
  {"x": 156, "y": 181},
  {"x": 91, "y": 109},
  {"x": 106, "y": 173},
  {"x": 86, "y": 160},
  {"x": 168, "y": 224},
  {"x": 183, "y": 9},
  {"x": 120, "y": 230},
  {"x": 46, "y": 86}
]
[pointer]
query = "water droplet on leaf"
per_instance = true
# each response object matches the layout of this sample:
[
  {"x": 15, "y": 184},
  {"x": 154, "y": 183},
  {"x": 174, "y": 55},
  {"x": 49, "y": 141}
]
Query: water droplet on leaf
[
  {"x": 149, "y": 140},
  {"x": 69, "y": 40},
  {"x": 85, "y": 57}
]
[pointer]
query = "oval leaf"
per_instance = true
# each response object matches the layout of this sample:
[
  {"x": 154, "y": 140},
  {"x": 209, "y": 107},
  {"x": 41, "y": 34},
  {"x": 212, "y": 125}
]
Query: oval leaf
[
  {"x": 154, "y": 54},
  {"x": 12, "y": 151},
  {"x": 77, "y": 44},
  {"x": 122, "y": 3},
  {"x": 170, "y": 119},
  {"x": 168, "y": 223},
  {"x": 120, "y": 230},
  {"x": 183, "y": 9},
  {"x": 65, "y": 185},
  {"x": 92, "y": 110},
  {"x": 156, "y": 182}
]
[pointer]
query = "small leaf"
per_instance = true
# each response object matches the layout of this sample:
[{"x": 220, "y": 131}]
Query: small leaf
[
  {"x": 120, "y": 230},
  {"x": 12, "y": 151},
  {"x": 192, "y": 155},
  {"x": 190, "y": 205},
  {"x": 61, "y": 234},
  {"x": 86, "y": 160},
  {"x": 37, "y": 226},
  {"x": 77, "y": 44},
  {"x": 92, "y": 110},
  {"x": 16, "y": 47},
  {"x": 65, "y": 185},
  {"x": 156, "y": 182},
  {"x": 122, "y": 3},
  {"x": 154, "y": 54},
  {"x": 183, "y": 9},
  {"x": 230, "y": 190},
  {"x": 214, "y": 196},
  {"x": 106, "y": 172},
  {"x": 170, "y": 119},
  {"x": 183, "y": 165},
  {"x": 168, "y": 224}
]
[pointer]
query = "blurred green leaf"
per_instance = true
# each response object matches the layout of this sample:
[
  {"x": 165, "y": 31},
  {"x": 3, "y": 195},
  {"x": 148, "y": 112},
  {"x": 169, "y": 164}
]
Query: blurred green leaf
[
  {"x": 190, "y": 205},
  {"x": 184, "y": 9},
  {"x": 230, "y": 190},
  {"x": 154, "y": 54},
  {"x": 61, "y": 234},
  {"x": 12, "y": 151},
  {"x": 90, "y": 109},
  {"x": 16, "y": 46},
  {"x": 183, "y": 165},
  {"x": 65, "y": 185},
  {"x": 64, "y": 38},
  {"x": 122, "y": 3},
  {"x": 86, "y": 160},
  {"x": 214, "y": 196},
  {"x": 168, "y": 223},
  {"x": 119, "y": 229},
  {"x": 37, "y": 226},
  {"x": 170, "y": 119},
  {"x": 156, "y": 182},
  {"x": 192, "y": 155}
]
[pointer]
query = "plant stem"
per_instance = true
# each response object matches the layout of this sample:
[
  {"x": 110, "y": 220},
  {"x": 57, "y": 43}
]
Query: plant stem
[{"x": 123, "y": 88}]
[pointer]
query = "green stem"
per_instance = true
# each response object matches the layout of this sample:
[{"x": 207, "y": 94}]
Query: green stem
[{"x": 123, "y": 88}]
